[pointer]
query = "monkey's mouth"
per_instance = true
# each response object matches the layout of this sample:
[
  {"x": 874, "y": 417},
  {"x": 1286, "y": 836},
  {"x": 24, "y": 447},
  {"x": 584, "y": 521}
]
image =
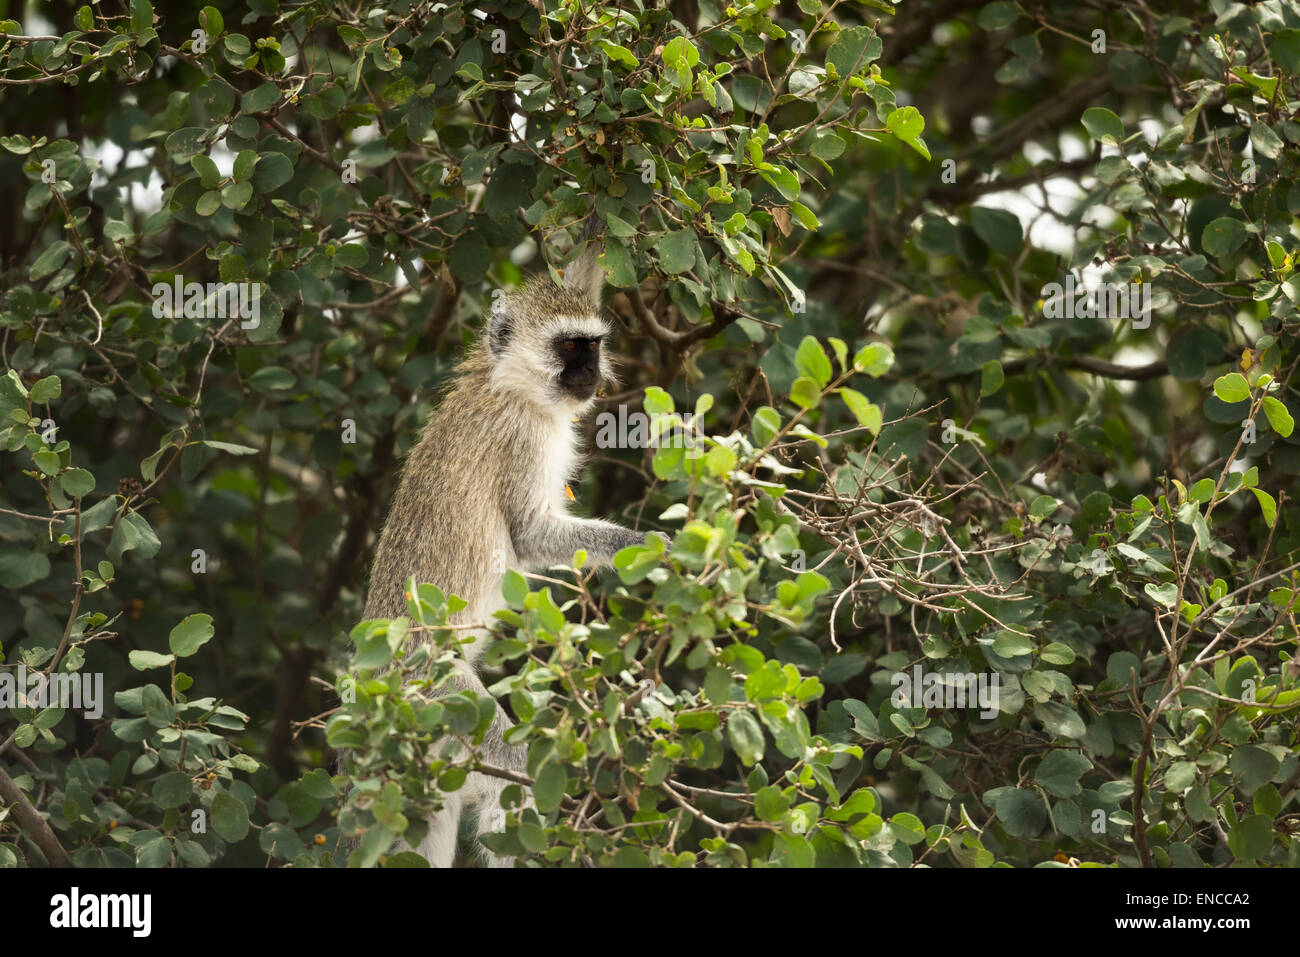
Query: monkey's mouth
[{"x": 579, "y": 383}]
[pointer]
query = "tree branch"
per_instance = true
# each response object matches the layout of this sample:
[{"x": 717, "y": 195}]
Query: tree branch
[
  {"x": 32, "y": 823},
  {"x": 1109, "y": 370}
]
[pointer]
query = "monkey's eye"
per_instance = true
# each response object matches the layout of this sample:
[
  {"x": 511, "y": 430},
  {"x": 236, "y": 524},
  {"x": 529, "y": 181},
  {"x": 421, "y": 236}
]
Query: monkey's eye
[
  {"x": 592, "y": 345},
  {"x": 570, "y": 344}
]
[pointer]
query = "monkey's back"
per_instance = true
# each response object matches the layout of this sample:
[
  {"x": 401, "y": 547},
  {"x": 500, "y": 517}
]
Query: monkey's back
[{"x": 446, "y": 524}]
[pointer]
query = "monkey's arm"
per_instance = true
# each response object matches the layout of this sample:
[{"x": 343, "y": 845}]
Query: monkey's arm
[{"x": 551, "y": 539}]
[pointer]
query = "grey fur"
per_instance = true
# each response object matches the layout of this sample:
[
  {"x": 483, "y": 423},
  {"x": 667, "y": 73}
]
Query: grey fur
[{"x": 483, "y": 490}]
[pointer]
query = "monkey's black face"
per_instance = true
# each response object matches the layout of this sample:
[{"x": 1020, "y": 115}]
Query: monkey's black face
[{"x": 579, "y": 360}]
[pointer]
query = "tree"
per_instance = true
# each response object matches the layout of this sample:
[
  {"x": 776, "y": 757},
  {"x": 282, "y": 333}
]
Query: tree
[{"x": 962, "y": 334}]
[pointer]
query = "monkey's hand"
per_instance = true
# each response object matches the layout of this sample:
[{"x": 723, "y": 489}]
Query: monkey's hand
[
  {"x": 634, "y": 537},
  {"x": 668, "y": 542},
  {"x": 553, "y": 540}
]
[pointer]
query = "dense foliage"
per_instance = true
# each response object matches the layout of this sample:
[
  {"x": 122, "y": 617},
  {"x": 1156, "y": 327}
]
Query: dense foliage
[{"x": 833, "y": 231}]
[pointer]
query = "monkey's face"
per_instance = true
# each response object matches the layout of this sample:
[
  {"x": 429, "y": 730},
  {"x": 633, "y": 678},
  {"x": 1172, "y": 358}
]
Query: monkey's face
[
  {"x": 579, "y": 361},
  {"x": 549, "y": 347}
]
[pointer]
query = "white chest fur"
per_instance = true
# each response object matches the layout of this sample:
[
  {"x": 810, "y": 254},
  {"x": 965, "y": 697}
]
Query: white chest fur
[
  {"x": 559, "y": 461},
  {"x": 556, "y": 442}
]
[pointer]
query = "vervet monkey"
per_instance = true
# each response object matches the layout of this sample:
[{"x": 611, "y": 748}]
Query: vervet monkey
[{"x": 485, "y": 490}]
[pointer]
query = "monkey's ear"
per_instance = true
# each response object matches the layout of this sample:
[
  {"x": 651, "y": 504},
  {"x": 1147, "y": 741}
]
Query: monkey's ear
[
  {"x": 499, "y": 327},
  {"x": 584, "y": 275}
]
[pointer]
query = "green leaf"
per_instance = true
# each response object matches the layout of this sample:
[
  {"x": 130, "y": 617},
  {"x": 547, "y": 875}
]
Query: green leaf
[
  {"x": 765, "y": 424},
  {"x": 875, "y": 359},
  {"x": 1253, "y": 766},
  {"x": 1059, "y": 773},
  {"x": 47, "y": 461},
  {"x": 828, "y": 146},
  {"x": 720, "y": 460},
  {"x": 1057, "y": 653},
  {"x": 133, "y": 531},
  {"x": 50, "y": 261},
  {"x": 185, "y": 142},
  {"x": 548, "y": 788},
  {"x": 20, "y": 567},
  {"x": 907, "y": 828},
  {"x": 1008, "y": 644},
  {"x": 1021, "y": 811},
  {"x": 236, "y": 195},
  {"x": 1191, "y": 351},
  {"x": 619, "y": 54},
  {"x": 907, "y": 123},
  {"x": 229, "y": 817},
  {"x": 77, "y": 482},
  {"x": 617, "y": 262},
  {"x": 805, "y": 216},
  {"x": 1123, "y": 666},
  {"x": 1232, "y": 387},
  {"x": 12, "y": 384},
  {"x": 805, "y": 392},
  {"x": 864, "y": 410},
  {"x": 810, "y": 359},
  {"x": 209, "y": 175},
  {"x": 273, "y": 171},
  {"x": 1165, "y": 594},
  {"x": 98, "y": 515},
  {"x": 245, "y": 163},
  {"x": 1223, "y": 236},
  {"x": 1267, "y": 505},
  {"x": 154, "y": 852},
  {"x": 46, "y": 390},
  {"x": 141, "y": 17},
  {"x": 746, "y": 736},
  {"x": 853, "y": 48},
  {"x": 657, "y": 401},
  {"x": 997, "y": 16},
  {"x": 680, "y": 49},
  {"x": 717, "y": 685},
  {"x": 786, "y": 182},
  {"x": 208, "y": 203},
  {"x": 998, "y": 228},
  {"x": 515, "y": 588},
  {"x": 172, "y": 789},
  {"x": 770, "y": 803},
  {"x": 1202, "y": 491},
  {"x": 272, "y": 379},
  {"x": 1180, "y": 776},
  {"x": 1285, "y": 50},
  {"x": 841, "y": 350},
  {"x": 229, "y": 447},
  {"x": 352, "y": 255},
  {"x": 1060, "y": 719},
  {"x": 1278, "y": 416},
  {"x": 145, "y": 660},
  {"x": 1251, "y": 838},
  {"x": 551, "y": 617},
  {"x": 1103, "y": 125},
  {"x": 991, "y": 377},
  {"x": 1265, "y": 142},
  {"x": 1043, "y": 506},
  {"x": 405, "y": 859},
  {"x": 261, "y": 98},
  {"x": 676, "y": 251},
  {"x": 190, "y": 635},
  {"x": 211, "y": 21}
]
